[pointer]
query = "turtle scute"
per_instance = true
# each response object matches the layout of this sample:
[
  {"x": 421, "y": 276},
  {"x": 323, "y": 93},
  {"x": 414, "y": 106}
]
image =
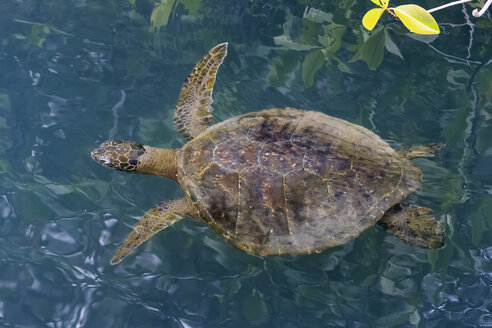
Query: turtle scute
[{"x": 287, "y": 181}]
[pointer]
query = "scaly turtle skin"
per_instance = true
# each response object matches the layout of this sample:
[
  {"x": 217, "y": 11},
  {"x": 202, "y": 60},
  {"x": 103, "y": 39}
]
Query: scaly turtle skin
[{"x": 277, "y": 181}]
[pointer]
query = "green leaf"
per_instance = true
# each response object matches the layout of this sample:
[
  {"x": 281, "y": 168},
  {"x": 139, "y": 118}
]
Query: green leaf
[
  {"x": 332, "y": 38},
  {"x": 391, "y": 46},
  {"x": 341, "y": 65},
  {"x": 371, "y": 18},
  {"x": 317, "y": 16},
  {"x": 192, "y": 6},
  {"x": 417, "y": 19},
  {"x": 282, "y": 67},
  {"x": 45, "y": 27},
  {"x": 332, "y": 42},
  {"x": 254, "y": 308},
  {"x": 485, "y": 87},
  {"x": 160, "y": 14},
  {"x": 310, "y": 32},
  {"x": 357, "y": 48},
  {"x": 373, "y": 49},
  {"x": 286, "y": 42},
  {"x": 38, "y": 34},
  {"x": 357, "y": 56},
  {"x": 381, "y": 3},
  {"x": 312, "y": 64}
]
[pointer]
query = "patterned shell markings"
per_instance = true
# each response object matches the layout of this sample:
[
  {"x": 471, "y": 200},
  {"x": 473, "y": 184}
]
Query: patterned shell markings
[{"x": 286, "y": 181}]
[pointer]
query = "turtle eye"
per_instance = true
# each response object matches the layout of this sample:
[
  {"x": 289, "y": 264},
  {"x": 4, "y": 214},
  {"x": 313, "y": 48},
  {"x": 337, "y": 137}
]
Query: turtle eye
[{"x": 104, "y": 160}]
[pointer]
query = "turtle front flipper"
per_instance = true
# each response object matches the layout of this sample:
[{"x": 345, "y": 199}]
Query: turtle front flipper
[
  {"x": 414, "y": 225},
  {"x": 194, "y": 111},
  {"x": 153, "y": 221},
  {"x": 135, "y": 157}
]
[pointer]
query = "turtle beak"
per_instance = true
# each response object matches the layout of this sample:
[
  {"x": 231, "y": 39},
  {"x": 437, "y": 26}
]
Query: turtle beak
[{"x": 102, "y": 155}]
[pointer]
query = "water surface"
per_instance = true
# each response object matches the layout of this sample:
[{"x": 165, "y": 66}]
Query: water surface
[{"x": 74, "y": 73}]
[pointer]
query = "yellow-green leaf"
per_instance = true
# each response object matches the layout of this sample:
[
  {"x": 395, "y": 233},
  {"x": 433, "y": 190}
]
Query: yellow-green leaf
[
  {"x": 371, "y": 18},
  {"x": 417, "y": 19},
  {"x": 381, "y": 3}
]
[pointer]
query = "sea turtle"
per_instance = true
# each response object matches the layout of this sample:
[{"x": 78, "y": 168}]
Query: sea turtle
[{"x": 277, "y": 181}]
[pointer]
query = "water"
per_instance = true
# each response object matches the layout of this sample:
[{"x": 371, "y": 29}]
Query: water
[{"x": 74, "y": 73}]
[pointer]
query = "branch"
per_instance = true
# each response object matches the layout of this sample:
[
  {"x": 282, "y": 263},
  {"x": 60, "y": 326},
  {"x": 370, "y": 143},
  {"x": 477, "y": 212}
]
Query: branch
[
  {"x": 453, "y": 4},
  {"x": 477, "y": 13}
]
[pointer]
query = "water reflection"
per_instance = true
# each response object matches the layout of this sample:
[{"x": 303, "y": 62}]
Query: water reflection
[{"x": 76, "y": 72}]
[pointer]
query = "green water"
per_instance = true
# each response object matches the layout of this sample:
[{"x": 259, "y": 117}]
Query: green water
[{"x": 74, "y": 73}]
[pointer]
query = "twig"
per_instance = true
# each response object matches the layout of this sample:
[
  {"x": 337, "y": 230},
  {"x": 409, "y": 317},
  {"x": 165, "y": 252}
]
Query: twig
[
  {"x": 477, "y": 13},
  {"x": 451, "y": 4}
]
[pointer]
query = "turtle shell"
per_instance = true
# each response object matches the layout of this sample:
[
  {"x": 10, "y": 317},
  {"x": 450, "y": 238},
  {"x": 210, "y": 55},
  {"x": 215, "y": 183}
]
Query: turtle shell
[{"x": 288, "y": 181}]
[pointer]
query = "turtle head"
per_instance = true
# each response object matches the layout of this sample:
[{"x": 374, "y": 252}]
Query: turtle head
[
  {"x": 120, "y": 155},
  {"x": 135, "y": 157}
]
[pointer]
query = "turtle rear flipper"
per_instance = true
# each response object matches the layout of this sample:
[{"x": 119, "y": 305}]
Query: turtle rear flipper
[
  {"x": 153, "y": 221},
  {"x": 428, "y": 150},
  {"x": 193, "y": 112},
  {"x": 414, "y": 225}
]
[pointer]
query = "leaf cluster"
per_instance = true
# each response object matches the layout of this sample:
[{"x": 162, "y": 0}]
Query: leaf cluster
[{"x": 414, "y": 17}]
